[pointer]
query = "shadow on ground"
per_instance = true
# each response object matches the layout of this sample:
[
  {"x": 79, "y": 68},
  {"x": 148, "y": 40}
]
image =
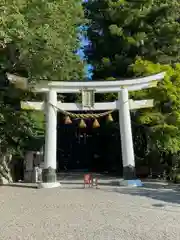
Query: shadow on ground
[
  {"x": 21, "y": 185},
  {"x": 154, "y": 189},
  {"x": 168, "y": 193}
]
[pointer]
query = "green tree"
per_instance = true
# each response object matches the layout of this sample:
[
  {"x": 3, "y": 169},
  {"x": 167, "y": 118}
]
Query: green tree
[
  {"x": 38, "y": 40},
  {"x": 121, "y": 30},
  {"x": 163, "y": 119},
  {"x": 41, "y": 37},
  {"x": 133, "y": 38},
  {"x": 161, "y": 124},
  {"x": 16, "y": 129}
]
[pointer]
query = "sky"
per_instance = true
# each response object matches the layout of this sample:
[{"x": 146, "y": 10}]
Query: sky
[{"x": 80, "y": 52}]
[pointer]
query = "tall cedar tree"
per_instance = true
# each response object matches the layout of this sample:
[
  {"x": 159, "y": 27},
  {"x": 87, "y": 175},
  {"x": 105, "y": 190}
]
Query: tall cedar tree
[
  {"x": 121, "y": 30},
  {"x": 131, "y": 38}
]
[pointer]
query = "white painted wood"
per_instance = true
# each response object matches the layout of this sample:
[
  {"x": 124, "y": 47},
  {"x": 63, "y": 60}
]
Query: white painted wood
[
  {"x": 97, "y": 106},
  {"x": 138, "y": 104},
  {"x": 125, "y": 130},
  {"x": 103, "y": 89},
  {"x": 19, "y": 82},
  {"x": 51, "y": 131},
  {"x": 102, "y": 106},
  {"x": 98, "y": 86},
  {"x": 88, "y": 98}
]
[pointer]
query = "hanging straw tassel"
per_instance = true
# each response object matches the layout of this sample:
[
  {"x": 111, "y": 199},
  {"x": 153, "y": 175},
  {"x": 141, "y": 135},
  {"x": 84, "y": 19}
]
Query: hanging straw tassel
[
  {"x": 96, "y": 124},
  {"x": 109, "y": 118},
  {"x": 67, "y": 120},
  {"x": 82, "y": 124}
]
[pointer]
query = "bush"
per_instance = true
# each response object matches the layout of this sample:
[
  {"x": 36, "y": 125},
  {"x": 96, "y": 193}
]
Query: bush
[{"x": 177, "y": 178}]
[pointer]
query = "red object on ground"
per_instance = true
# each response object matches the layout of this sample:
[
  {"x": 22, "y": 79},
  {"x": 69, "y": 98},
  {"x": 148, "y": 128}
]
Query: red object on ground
[
  {"x": 87, "y": 178},
  {"x": 90, "y": 180}
]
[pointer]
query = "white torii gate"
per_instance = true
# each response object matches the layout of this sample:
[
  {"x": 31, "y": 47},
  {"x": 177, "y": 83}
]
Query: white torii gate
[{"x": 88, "y": 89}]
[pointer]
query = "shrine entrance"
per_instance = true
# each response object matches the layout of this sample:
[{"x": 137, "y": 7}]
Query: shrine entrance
[
  {"x": 88, "y": 149},
  {"x": 78, "y": 156},
  {"x": 88, "y": 89},
  {"x": 74, "y": 152}
]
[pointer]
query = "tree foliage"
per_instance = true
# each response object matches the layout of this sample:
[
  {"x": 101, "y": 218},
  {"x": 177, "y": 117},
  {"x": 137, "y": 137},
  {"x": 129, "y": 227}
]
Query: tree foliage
[
  {"x": 164, "y": 118},
  {"x": 41, "y": 38},
  {"x": 121, "y": 30},
  {"x": 138, "y": 38},
  {"x": 16, "y": 127},
  {"x": 38, "y": 40}
]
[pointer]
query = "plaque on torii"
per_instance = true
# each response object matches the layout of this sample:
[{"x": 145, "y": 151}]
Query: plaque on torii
[{"x": 88, "y": 98}]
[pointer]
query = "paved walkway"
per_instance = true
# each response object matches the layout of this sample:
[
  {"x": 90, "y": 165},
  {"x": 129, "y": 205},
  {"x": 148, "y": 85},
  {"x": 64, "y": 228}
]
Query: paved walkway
[{"x": 71, "y": 212}]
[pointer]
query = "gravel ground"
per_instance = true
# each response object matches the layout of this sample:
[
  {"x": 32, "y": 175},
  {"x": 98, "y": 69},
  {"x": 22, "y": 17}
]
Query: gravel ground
[{"x": 71, "y": 212}]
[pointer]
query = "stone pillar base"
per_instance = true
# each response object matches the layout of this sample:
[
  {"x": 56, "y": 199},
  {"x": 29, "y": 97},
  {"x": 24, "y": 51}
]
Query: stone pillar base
[
  {"x": 49, "y": 185},
  {"x": 49, "y": 179},
  {"x": 49, "y": 175},
  {"x": 130, "y": 179},
  {"x": 129, "y": 172}
]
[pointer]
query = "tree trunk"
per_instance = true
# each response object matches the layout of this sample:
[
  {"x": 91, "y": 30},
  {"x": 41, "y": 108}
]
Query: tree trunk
[{"x": 5, "y": 172}]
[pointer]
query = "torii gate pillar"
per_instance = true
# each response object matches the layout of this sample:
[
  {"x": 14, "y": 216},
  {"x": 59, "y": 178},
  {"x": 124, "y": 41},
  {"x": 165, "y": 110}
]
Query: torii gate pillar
[
  {"x": 49, "y": 171},
  {"x": 129, "y": 174}
]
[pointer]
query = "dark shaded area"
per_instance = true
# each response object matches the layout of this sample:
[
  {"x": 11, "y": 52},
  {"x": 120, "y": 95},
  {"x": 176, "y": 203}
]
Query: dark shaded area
[
  {"x": 97, "y": 150},
  {"x": 17, "y": 168},
  {"x": 16, "y": 185},
  {"x": 158, "y": 205},
  {"x": 49, "y": 175},
  {"x": 35, "y": 143},
  {"x": 129, "y": 173},
  {"x": 162, "y": 191},
  {"x": 4, "y": 82},
  {"x": 71, "y": 177}
]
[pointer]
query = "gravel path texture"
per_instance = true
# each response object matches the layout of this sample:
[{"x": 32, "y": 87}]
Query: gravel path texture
[{"x": 107, "y": 213}]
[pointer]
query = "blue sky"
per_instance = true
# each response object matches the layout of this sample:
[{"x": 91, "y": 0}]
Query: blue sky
[{"x": 80, "y": 52}]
